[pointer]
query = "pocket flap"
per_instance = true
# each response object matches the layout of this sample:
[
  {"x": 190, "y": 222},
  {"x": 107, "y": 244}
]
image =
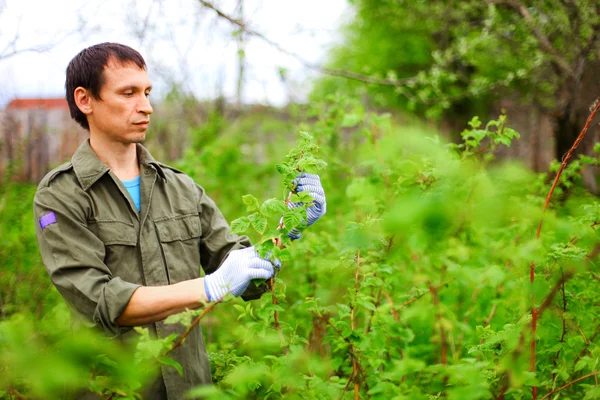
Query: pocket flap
[
  {"x": 114, "y": 232},
  {"x": 178, "y": 228}
]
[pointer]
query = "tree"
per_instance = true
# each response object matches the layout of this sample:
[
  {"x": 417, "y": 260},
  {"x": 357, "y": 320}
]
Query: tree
[{"x": 462, "y": 55}]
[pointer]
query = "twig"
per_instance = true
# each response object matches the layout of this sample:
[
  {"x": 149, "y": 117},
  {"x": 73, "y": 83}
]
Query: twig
[
  {"x": 328, "y": 71},
  {"x": 185, "y": 334},
  {"x": 389, "y": 300},
  {"x": 443, "y": 344},
  {"x": 534, "y": 312},
  {"x": 352, "y": 326},
  {"x": 564, "y": 321},
  {"x": 16, "y": 393},
  {"x": 587, "y": 343},
  {"x": 544, "y": 41},
  {"x": 408, "y": 302},
  {"x": 347, "y": 385},
  {"x": 276, "y": 317},
  {"x": 345, "y": 339},
  {"x": 564, "y": 163},
  {"x": 565, "y": 277},
  {"x": 569, "y": 384}
]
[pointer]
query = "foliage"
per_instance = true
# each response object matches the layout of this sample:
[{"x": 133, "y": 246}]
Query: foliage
[
  {"x": 453, "y": 59},
  {"x": 415, "y": 285}
]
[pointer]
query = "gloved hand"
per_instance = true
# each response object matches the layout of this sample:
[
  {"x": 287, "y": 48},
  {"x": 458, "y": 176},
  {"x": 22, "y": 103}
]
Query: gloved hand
[
  {"x": 239, "y": 268},
  {"x": 312, "y": 184}
]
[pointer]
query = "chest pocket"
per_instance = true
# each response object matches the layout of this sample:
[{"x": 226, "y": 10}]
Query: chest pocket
[
  {"x": 180, "y": 243},
  {"x": 120, "y": 244}
]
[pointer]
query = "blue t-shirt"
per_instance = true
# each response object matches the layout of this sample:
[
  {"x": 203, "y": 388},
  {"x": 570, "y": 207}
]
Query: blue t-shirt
[{"x": 133, "y": 187}]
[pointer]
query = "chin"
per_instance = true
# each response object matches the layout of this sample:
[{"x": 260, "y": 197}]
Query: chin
[{"x": 139, "y": 138}]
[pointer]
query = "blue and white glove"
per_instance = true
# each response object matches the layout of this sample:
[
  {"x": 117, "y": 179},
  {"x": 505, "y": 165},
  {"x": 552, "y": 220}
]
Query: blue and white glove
[
  {"x": 238, "y": 270},
  {"x": 312, "y": 184}
]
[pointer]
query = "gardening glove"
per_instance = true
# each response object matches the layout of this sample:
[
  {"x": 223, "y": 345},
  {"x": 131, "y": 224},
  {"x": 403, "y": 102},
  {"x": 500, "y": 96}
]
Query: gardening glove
[
  {"x": 239, "y": 268},
  {"x": 312, "y": 184}
]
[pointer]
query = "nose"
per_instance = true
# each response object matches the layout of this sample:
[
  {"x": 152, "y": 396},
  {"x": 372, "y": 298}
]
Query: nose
[{"x": 144, "y": 106}]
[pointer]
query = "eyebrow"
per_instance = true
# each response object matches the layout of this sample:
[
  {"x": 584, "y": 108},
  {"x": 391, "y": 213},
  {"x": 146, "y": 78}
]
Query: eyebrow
[{"x": 133, "y": 88}]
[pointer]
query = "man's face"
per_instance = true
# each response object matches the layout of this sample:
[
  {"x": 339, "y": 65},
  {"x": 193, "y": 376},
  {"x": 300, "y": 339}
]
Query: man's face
[{"x": 123, "y": 113}]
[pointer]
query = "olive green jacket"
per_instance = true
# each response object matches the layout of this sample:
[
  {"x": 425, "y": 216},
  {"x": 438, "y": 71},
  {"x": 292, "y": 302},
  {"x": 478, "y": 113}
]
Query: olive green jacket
[{"x": 98, "y": 249}]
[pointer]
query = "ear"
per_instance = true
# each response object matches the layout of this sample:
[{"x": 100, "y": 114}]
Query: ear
[{"x": 83, "y": 99}]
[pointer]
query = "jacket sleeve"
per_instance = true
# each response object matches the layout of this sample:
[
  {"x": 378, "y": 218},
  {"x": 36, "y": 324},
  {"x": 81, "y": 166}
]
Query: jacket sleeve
[
  {"x": 217, "y": 241},
  {"x": 74, "y": 259}
]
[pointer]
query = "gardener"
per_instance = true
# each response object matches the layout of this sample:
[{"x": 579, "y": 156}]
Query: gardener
[{"x": 123, "y": 235}]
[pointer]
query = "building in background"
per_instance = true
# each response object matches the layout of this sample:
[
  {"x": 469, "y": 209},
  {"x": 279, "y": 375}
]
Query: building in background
[{"x": 36, "y": 135}]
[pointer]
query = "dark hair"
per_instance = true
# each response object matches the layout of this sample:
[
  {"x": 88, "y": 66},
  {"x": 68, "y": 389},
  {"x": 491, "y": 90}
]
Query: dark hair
[{"x": 86, "y": 69}]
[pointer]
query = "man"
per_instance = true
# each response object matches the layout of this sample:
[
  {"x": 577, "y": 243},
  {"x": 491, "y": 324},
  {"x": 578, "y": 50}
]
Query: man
[{"x": 123, "y": 235}]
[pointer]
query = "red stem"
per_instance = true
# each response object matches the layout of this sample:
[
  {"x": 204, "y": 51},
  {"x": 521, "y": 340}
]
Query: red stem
[{"x": 534, "y": 313}]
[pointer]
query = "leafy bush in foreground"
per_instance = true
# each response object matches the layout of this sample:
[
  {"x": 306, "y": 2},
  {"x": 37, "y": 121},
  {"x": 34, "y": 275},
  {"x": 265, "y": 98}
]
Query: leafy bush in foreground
[{"x": 415, "y": 285}]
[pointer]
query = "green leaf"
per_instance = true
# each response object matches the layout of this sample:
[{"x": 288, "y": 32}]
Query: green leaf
[
  {"x": 172, "y": 363},
  {"x": 291, "y": 219},
  {"x": 240, "y": 225},
  {"x": 259, "y": 222},
  {"x": 285, "y": 255},
  {"x": 284, "y": 169},
  {"x": 351, "y": 120},
  {"x": 251, "y": 202},
  {"x": 239, "y": 308},
  {"x": 272, "y": 207}
]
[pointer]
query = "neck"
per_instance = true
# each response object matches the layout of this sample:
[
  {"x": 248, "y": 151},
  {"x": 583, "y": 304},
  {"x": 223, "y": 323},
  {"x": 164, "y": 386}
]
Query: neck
[{"x": 121, "y": 158}]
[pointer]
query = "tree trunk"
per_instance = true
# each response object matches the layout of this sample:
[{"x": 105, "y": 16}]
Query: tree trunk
[
  {"x": 567, "y": 128},
  {"x": 566, "y": 131}
]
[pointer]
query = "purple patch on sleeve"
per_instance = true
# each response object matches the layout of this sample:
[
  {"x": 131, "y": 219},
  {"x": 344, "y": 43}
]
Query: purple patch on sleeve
[{"x": 47, "y": 219}]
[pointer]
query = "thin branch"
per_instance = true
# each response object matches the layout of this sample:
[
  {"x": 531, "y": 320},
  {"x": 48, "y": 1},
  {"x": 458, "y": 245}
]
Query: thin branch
[
  {"x": 564, "y": 322},
  {"x": 328, "y": 71},
  {"x": 596, "y": 107},
  {"x": 544, "y": 42},
  {"x": 347, "y": 385},
  {"x": 345, "y": 339},
  {"x": 565, "y": 277},
  {"x": 276, "y": 316},
  {"x": 16, "y": 393},
  {"x": 185, "y": 334},
  {"x": 352, "y": 326},
  {"x": 443, "y": 344},
  {"x": 534, "y": 318},
  {"x": 569, "y": 384},
  {"x": 408, "y": 302},
  {"x": 389, "y": 300}
]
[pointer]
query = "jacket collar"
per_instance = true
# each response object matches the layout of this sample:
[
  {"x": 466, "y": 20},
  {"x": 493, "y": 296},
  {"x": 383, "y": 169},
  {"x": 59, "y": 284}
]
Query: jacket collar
[{"x": 88, "y": 167}]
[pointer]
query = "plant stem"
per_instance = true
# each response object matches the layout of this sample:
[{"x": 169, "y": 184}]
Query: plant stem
[
  {"x": 408, "y": 302},
  {"x": 443, "y": 344},
  {"x": 16, "y": 393},
  {"x": 185, "y": 334},
  {"x": 564, "y": 163},
  {"x": 534, "y": 312},
  {"x": 276, "y": 324},
  {"x": 564, "y": 321},
  {"x": 534, "y": 316},
  {"x": 569, "y": 384},
  {"x": 352, "y": 326}
]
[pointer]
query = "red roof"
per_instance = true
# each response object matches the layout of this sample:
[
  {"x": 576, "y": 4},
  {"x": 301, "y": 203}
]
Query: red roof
[{"x": 37, "y": 103}]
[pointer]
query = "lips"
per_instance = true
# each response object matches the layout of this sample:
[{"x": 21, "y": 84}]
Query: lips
[{"x": 142, "y": 124}]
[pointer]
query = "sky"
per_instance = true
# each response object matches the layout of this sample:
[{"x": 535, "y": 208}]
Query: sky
[{"x": 184, "y": 44}]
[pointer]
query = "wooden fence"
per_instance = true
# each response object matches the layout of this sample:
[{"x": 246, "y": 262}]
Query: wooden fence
[{"x": 33, "y": 141}]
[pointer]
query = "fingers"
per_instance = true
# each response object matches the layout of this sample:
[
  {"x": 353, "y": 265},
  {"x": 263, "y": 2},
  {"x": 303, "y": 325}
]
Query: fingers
[
  {"x": 276, "y": 263},
  {"x": 312, "y": 189},
  {"x": 305, "y": 179},
  {"x": 260, "y": 270}
]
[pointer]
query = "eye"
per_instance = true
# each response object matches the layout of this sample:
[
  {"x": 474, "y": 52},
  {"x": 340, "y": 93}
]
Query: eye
[
  {"x": 128, "y": 94},
  {"x": 148, "y": 94}
]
